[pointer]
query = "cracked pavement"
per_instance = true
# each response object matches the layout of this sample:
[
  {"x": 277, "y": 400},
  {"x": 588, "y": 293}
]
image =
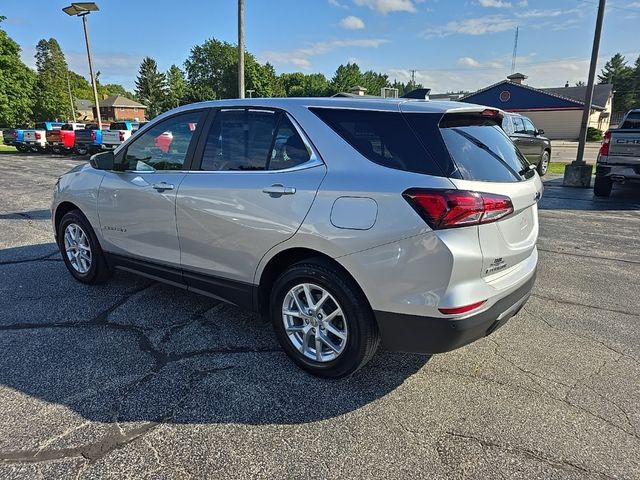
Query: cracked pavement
[{"x": 135, "y": 379}]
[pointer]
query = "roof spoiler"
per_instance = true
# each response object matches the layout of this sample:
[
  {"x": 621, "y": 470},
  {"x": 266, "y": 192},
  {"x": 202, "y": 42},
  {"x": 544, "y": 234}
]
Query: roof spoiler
[{"x": 418, "y": 94}]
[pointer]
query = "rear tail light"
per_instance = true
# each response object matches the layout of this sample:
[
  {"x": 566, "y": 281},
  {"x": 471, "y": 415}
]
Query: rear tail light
[
  {"x": 121, "y": 136},
  {"x": 15, "y": 135},
  {"x": 604, "y": 148},
  {"x": 459, "y": 310},
  {"x": 93, "y": 135},
  {"x": 38, "y": 136},
  {"x": 458, "y": 208}
]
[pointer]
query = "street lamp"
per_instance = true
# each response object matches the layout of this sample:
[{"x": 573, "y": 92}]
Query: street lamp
[{"x": 82, "y": 9}]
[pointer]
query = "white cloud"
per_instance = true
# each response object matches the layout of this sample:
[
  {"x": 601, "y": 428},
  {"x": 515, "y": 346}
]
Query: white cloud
[
  {"x": 546, "y": 13},
  {"x": 387, "y": 6},
  {"x": 336, "y": 3},
  {"x": 301, "y": 57},
  {"x": 633, "y": 5},
  {"x": 351, "y": 23},
  {"x": 473, "y": 26},
  {"x": 468, "y": 62},
  {"x": 495, "y": 4}
]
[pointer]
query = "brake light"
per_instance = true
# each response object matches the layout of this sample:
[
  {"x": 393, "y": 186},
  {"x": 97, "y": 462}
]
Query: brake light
[
  {"x": 38, "y": 136},
  {"x": 93, "y": 135},
  {"x": 121, "y": 136},
  {"x": 604, "y": 148},
  {"x": 457, "y": 208},
  {"x": 489, "y": 112},
  {"x": 459, "y": 310},
  {"x": 15, "y": 135}
]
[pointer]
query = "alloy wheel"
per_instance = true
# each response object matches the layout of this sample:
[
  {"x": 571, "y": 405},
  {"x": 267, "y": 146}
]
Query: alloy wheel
[
  {"x": 77, "y": 248},
  {"x": 314, "y": 322}
]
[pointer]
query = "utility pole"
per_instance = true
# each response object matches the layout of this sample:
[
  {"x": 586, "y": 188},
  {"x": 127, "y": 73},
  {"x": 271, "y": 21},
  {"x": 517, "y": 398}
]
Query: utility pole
[
  {"x": 578, "y": 174},
  {"x": 241, "y": 48},
  {"x": 73, "y": 107},
  {"x": 93, "y": 77}
]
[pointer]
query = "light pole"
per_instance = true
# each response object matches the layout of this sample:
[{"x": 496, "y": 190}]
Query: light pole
[
  {"x": 241, "y": 48},
  {"x": 578, "y": 173},
  {"x": 82, "y": 9}
]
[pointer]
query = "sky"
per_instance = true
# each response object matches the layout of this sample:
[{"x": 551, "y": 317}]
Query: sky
[{"x": 451, "y": 44}]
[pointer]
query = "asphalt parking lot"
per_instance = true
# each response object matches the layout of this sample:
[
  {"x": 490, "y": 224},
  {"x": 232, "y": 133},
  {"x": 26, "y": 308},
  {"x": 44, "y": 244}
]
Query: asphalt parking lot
[{"x": 135, "y": 379}]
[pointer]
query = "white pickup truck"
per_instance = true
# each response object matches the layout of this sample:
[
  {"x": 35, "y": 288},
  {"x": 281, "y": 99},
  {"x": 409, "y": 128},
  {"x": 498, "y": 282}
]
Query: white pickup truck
[
  {"x": 36, "y": 139},
  {"x": 619, "y": 156},
  {"x": 117, "y": 134}
]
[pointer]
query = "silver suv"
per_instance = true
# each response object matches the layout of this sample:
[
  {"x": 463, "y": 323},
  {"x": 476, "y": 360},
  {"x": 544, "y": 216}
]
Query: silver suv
[{"x": 348, "y": 222}]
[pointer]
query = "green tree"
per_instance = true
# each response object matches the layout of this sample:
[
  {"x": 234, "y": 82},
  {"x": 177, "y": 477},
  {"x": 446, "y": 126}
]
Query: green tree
[
  {"x": 293, "y": 81},
  {"x": 52, "y": 98},
  {"x": 346, "y": 77},
  {"x": 151, "y": 86},
  {"x": 374, "y": 82},
  {"x": 315, "y": 85},
  {"x": 617, "y": 72},
  {"x": 262, "y": 79},
  {"x": 209, "y": 70},
  {"x": 176, "y": 87},
  {"x": 17, "y": 82}
]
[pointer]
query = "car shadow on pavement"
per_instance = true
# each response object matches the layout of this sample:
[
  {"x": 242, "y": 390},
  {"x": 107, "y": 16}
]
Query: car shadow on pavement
[
  {"x": 134, "y": 350},
  {"x": 558, "y": 197}
]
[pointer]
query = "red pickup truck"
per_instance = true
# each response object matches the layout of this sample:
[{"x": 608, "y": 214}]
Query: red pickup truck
[{"x": 62, "y": 141}]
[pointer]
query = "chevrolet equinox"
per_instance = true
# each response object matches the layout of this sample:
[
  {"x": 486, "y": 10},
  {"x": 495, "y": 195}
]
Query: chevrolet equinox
[{"x": 350, "y": 223}]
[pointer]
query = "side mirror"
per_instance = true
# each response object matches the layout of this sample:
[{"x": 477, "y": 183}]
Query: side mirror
[
  {"x": 103, "y": 161},
  {"x": 540, "y": 132}
]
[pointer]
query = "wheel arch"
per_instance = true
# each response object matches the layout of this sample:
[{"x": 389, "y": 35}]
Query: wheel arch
[
  {"x": 283, "y": 260},
  {"x": 61, "y": 210}
]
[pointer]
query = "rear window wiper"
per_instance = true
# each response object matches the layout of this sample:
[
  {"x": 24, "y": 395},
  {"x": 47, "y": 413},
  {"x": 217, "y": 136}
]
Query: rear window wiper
[{"x": 484, "y": 147}]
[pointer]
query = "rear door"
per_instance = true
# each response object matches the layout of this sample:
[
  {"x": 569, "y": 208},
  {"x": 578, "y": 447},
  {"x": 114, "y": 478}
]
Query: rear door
[
  {"x": 524, "y": 139},
  {"x": 255, "y": 182},
  {"x": 488, "y": 163}
]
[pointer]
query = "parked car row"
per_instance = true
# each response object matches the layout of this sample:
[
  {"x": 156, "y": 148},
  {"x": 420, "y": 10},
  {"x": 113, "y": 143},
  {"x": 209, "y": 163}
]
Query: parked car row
[{"x": 72, "y": 137}]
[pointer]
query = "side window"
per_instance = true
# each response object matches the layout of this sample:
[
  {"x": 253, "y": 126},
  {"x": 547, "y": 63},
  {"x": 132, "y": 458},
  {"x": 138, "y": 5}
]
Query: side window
[
  {"x": 289, "y": 150},
  {"x": 518, "y": 125},
  {"x": 528, "y": 127},
  {"x": 507, "y": 126},
  {"x": 164, "y": 146},
  {"x": 239, "y": 139}
]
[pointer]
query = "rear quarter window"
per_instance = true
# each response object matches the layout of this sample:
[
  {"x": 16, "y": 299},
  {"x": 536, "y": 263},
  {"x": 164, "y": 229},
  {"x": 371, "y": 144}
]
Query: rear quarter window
[
  {"x": 632, "y": 121},
  {"x": 384, "y": 138},
  {"x": 481, "y": 150}
]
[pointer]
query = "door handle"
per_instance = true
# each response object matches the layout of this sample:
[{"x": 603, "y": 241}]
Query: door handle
[
  {"x": 162, "y": 186},
  {"x": 278, "y": 189}
]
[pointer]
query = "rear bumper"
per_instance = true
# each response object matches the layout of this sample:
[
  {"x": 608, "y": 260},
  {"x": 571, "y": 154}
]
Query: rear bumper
[
  {"x": 418, "y": 334},
  {"x": 618, "y": 172}
]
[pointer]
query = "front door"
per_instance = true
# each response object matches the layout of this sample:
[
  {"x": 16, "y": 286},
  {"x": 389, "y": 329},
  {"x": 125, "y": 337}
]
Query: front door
[
  {"x": 256, "y": 182},
  {"x": 137, "y": 207}
]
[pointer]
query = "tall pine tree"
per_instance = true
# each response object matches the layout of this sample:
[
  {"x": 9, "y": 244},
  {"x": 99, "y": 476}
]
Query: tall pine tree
[
  {"x": 52, "y": 98},
  {"x": 176, "y": 87},
  {"x": 151, "y": 86},
  {"x": 617, "y": 72}
]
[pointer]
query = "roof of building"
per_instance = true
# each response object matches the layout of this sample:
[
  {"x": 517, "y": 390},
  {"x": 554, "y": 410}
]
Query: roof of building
[
  {"x": 601, "y": 93},
  {"x": 517, "y": 75},
  {"x": 82, "y": 104},
  {"x": 119, "y": 101},
  {"x": 598, "y": 103}
]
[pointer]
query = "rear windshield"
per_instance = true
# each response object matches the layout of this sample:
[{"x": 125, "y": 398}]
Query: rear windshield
[
  {"x": 384, "y": 138},
  {"x": 632, "y": 121},
  {"x": 119, "y": 126},
  {"x": 481, "y": 150}
]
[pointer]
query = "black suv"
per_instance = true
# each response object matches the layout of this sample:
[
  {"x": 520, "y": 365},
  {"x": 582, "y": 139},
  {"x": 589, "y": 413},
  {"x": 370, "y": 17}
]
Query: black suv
[{"x": 529, "y": 140}]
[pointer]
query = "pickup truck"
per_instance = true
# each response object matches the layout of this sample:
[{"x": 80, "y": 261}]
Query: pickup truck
[
  {"x": 63, "y": 140},
  {"x": 15, "y": 137},
  {"x": 88, "y": 140},
  {"x": 36, "y": 139},
  {"x": 117, "y": 134},
  {"x": 619, "y": 156}
]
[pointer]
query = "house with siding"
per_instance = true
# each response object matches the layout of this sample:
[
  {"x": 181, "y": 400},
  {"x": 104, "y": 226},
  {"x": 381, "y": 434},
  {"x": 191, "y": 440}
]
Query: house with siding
[{"x": 558, "y": 111}]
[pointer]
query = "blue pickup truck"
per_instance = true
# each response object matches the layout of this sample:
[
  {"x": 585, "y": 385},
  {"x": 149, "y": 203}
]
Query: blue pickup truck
[
  {"x": 88, "y": 140},
  {"x": 15, "y": 138}
]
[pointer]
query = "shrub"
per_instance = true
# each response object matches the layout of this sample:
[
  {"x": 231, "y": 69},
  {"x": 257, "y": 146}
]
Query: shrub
[{"x": 594, "y": 134}]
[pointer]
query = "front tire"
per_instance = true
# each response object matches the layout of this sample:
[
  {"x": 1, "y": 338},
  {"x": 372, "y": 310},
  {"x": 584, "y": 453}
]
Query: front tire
[
  {"x": 81, "y": 250},
  {"x": 543, "y": 166},
  {"x": 602, "y": 187},
  {"x": 322, "y": 319}
]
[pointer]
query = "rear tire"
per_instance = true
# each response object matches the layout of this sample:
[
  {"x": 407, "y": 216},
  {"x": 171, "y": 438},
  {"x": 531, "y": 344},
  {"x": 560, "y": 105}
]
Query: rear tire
[
  {"x": 82, "y": 150},
  {"x": 57, "y": 150},
  {"x": 81, "y": 250},
  {"x": 602, "y": 187},
  {"x": 346, "y": 340},
  {"x": 543, "y": 166},
  {"x": 22, "y": 148}
]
